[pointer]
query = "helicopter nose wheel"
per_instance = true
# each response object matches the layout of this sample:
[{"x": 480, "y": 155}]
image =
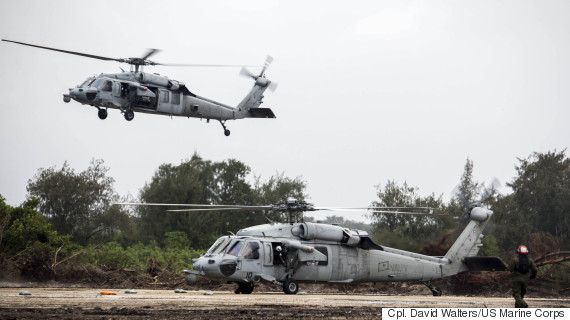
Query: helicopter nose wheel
[
  {"x": 226, "y": 130},
  {"x": 129, "y": 115},
  {"x": 244, "y": 288},
  {"x": 102, "y": 114},
  {"x": 290, "y": 286}
]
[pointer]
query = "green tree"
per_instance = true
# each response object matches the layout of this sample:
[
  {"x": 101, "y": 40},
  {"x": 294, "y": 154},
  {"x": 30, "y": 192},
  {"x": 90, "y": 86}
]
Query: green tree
[
  {"x": 27, "y": 242},
  {"x": 278, "y": 188},
  {"x": 404, "y": 231},
  {"x": 469, "y": 190},
  {"x": 78, "y": 204},
  {"x": 199, "y": 181},
  {"x": 540, "y": 201},
  {"x": 190, "y": 182}
]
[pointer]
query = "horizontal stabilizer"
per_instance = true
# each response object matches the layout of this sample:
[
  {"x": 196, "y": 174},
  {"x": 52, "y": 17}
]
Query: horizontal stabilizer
[
  {"x": 261, "y": 113},
  {"x": 485, "y": 264}
]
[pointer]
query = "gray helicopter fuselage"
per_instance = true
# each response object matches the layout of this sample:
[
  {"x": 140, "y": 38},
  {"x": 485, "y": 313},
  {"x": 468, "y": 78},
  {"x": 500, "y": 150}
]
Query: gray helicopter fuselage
[
  {"x": 138, "y": 91},
  {"x": 323, "y": 253},
  {"x": 154, "y": 94}
]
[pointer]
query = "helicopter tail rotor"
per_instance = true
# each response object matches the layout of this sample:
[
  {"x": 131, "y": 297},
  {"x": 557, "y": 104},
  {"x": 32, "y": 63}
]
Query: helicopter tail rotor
[
  {"x": 246, "y": 73},
  {"x": 268, "y": 61}
]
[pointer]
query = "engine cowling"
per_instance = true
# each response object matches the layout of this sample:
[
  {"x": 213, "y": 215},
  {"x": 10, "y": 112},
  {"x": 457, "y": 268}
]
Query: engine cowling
[
  {"x": 154, "y": 79},
  {"x": 327, "y": 232},
  {"x": 174, "y": 85}
]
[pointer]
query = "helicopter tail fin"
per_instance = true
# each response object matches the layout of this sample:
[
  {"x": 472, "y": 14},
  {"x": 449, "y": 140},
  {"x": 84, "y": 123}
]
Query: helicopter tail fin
[
  {"x": 250, "y": 104},
  {"x": 468, "y": 244}
]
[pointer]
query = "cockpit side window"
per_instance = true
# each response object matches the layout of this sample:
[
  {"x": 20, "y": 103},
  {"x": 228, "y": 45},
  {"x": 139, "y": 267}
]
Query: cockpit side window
[
  {"x": 106, "y": 85},
  {"x": 235, "y": 248},
  {"x": 251, "y": 250},
  {"x": 95, "y": 84}
]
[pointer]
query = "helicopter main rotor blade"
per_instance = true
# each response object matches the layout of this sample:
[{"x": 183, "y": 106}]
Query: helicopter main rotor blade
[
  {"x": 212, "y": 209},
  {"x": 203, "y": 65},
  {"x": 149, "y": 53},
  {"x": 408, "y": 213},
  {"x": 369, "y": 208},
  {"x": 213, "y": 206},
  {"x": 67, "y": 51},
  {"x": 133, "y": 61}
]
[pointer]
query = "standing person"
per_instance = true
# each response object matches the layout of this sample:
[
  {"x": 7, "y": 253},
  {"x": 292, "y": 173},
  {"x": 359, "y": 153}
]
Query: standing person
[{"x": 522, "y": 269}]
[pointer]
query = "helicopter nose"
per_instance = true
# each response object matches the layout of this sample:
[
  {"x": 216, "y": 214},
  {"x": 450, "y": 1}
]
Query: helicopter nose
[{"x": 77, "y": 94}]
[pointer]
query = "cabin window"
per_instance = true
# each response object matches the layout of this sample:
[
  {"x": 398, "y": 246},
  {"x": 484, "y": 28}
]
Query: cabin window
[
  {"x": 251, "y": 250},
  {"x": 106, "y": 85},
  {"x": 324, "y": 251},
  {"x": 164, "y": 96},
  {"x": 175, "y": 98}
]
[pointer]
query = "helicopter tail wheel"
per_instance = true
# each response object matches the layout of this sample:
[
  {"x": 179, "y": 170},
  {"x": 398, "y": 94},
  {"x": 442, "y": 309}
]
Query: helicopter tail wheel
[
  {"x": 102, "y": 114},
  {"x": 129, "y": 115},
  {"x": 436, "y": 292},
  {"x": 226, "y": 131},
  {"x": 290, "y": 286}
]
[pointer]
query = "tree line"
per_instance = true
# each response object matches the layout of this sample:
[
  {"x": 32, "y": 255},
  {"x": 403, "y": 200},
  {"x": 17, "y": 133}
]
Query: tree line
[
  {"x": 67, "y": 211},
  {"x": 535, "y": 213}
]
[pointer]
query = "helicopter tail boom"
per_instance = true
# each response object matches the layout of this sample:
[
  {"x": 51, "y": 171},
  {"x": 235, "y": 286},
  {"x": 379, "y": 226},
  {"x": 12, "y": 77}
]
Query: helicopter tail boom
[{"x": 461, "y": 255}]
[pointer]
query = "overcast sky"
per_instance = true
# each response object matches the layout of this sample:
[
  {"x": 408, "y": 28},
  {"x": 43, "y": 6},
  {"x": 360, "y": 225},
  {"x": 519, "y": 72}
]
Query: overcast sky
[{"x": 369, "y": 91}]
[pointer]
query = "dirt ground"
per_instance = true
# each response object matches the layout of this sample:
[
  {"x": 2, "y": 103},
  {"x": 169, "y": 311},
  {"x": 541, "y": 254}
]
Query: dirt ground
[{"x": 88, "y": 303}]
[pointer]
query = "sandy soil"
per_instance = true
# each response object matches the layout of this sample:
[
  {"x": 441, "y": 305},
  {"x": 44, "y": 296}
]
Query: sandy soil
[{"x": 64, "y": 303}]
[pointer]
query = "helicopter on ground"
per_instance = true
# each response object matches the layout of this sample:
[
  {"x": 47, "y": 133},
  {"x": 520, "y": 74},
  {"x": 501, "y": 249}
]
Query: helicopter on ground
[
  {"x": 286, "y": 254},
  {"x": 138, "y": 91}
]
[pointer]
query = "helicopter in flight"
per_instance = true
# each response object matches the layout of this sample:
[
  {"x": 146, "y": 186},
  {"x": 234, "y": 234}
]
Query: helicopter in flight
[
  {"x": 286, "y": 254},
  {"x": 137, "y": 91}
]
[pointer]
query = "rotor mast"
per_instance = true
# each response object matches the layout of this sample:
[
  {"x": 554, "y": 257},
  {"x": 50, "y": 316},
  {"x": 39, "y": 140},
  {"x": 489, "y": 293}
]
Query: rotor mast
[{"x": 294, "y": 209}]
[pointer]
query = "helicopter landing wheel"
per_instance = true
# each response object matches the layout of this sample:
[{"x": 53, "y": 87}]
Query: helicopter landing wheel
[
  {"x": 436, "y": 292},
  {"x": 226, "y": 131},
  {"x": 129, "y": 115},
  {"x": 290, "y": 286},
  {"x": 102, "y": 114},
  {"x": 244, "y": 288}
]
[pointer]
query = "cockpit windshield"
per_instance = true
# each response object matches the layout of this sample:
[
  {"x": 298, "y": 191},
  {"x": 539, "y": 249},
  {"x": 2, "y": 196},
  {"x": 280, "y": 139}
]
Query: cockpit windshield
[
  {"x": 87, "y": 82},
  {"x": 219, "y": 246},
  {"x": 95, "y": 83},
  {"x": 235, "y": 247}
]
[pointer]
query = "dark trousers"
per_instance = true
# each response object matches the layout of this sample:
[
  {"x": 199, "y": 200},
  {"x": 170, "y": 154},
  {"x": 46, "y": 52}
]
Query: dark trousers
[{"x": 519, "y": 290}]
